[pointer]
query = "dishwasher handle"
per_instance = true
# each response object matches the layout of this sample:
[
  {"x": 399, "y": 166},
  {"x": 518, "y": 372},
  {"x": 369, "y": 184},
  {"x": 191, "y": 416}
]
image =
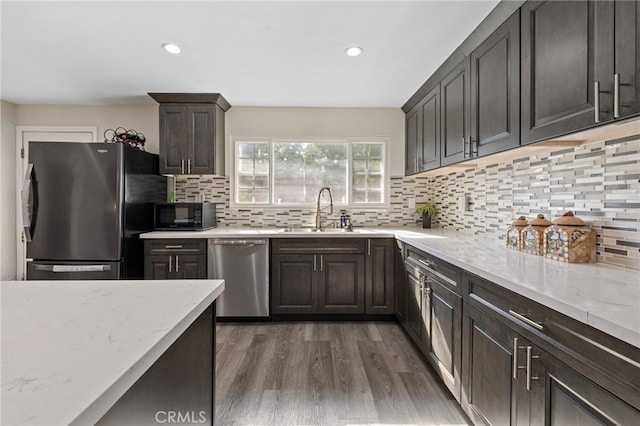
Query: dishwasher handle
[{"x": 224, "y": 242}]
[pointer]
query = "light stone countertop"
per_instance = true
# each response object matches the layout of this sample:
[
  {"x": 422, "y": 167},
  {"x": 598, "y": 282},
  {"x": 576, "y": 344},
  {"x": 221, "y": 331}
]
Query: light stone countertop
[
  {"x": 71, "y": 349},
  {"x": 602, "y": 296}
]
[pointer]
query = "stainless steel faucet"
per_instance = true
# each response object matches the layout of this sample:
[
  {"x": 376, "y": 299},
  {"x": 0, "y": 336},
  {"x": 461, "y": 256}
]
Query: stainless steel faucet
[{"x": 319, "y": 210}]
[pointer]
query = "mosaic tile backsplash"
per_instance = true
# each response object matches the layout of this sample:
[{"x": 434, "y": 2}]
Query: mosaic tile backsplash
[{"x": 599, "y": 181}]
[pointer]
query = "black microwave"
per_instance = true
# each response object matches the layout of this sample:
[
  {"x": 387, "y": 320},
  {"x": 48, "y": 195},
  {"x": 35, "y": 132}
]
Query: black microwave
[{"x": 184, "y": 216}]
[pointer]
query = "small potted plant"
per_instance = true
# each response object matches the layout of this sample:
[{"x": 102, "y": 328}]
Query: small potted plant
[{"x": 427, "y": 211}]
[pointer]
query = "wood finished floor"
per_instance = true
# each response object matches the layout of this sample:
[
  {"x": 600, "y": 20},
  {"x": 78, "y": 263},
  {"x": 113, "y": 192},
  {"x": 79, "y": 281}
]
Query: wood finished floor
[{"x": 359, "y": 373}]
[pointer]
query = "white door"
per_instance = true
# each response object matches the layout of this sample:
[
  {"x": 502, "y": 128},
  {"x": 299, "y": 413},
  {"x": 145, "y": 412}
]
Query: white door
[{"x": 24, "y": 135}]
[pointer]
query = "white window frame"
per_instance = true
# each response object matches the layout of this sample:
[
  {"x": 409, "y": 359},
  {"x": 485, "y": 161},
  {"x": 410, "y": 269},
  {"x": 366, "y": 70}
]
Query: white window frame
[{"x": 236, "y": 140}]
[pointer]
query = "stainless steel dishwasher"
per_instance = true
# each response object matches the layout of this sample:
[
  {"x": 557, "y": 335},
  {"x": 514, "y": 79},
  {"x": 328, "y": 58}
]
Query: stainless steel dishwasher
[{"x": 244, "y": 266}]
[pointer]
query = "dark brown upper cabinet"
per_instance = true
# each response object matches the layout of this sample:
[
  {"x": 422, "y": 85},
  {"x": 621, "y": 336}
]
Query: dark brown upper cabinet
[
  {"x": 627, "y": 59},
  {"x": 191, "y": 133},
  {"x": 423, "y": 134},
  {"x": 495, "y": 91},
  {"x": 454, "y": 91},
  {"x": 429, "y": 149},
  {"x": 411, "y": 143},
  {"x": 580, "y": 65}
]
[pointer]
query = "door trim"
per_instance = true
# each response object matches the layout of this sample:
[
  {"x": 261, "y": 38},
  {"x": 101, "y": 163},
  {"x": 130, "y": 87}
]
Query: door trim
[{"x": 21, "y": 269}]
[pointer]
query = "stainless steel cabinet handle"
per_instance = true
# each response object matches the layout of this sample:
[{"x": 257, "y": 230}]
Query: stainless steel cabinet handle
[
  {"x": 473, "y": 143},
  {"x": 177, "y": 263},
  {"x": 170, "y": 263},
  {"x": 529, "y": 376},
  {"x": 527, "y": 320},
  {"x": 172, "y": 247},
  {"x": 368, "y": 247},
  {"x": 616, "y": 96},
  {"x": 464, "y": 147},
  {"x": 596, "y": 101},
  {"x": 182, "y": 164},
  {"x": 315, "y": 268},
  {"x": 321, "y": 261},
  {"x": 189, "y": 166}
]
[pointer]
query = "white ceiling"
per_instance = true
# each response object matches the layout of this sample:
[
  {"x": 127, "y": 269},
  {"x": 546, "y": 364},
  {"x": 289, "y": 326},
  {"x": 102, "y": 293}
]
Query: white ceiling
[{"x": 260, "y": 53}]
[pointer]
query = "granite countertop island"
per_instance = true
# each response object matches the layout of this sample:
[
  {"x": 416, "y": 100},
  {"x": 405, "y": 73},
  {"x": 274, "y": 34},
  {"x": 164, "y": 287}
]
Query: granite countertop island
[
  {"x": 602, "y": 296},
  {"x": 71, "y": 349}
]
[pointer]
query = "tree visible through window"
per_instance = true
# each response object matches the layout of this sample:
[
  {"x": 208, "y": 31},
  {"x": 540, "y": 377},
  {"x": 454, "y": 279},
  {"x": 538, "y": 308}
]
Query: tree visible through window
[{"x": 292, "y": 172}]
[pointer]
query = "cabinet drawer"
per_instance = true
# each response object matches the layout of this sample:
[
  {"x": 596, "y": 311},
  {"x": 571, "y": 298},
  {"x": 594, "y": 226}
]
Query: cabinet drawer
[
  {"x": 447, "y": 274},
  {"x": 181, "y": 246},
  {"x": 318, "y": 245},
  {"x": 608, "y": 361}
]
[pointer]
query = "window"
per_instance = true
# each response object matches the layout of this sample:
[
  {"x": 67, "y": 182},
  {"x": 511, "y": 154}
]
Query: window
[{"x": 285, "y": 172}]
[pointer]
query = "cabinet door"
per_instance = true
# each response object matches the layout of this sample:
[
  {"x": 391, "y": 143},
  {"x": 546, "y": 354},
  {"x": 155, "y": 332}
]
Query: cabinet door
[
  {"x": 429, "y": 142},
  {"x": 445, "y": 334},
  {"x": 379, "y": 295},
  {"x": 201, "y": 136},
  {"x": 488, "y": 393},
  {"x": 190, "y": 267},
  {"x": 341, "y": 284},
  {"x": 455, "y": 114},
  {"x": 173, "y": 138},
  {"x": 293, "y": 284},
  {"x": 559, "y": 395},
  {"x": 562, "y": 47},
  {"x": 627, "y": 56},
  {"x": 495, "y": 91},
  {"x": 411, "y": 143},
  {"x": 414, "y": 313},
  {"x": 400, "y": 285},
  {"x": 156, "y": 267}
]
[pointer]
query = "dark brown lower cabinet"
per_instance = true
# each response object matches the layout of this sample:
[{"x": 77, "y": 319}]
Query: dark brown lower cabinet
[
  {"x": 444, "y": 322},
  {"x": 509, "y": 381},
  {"x": 180, "y": 382},
  {"x": 175, "y": 259},
  {"x": 380, "y": 276},
  {"x": 433, "y": 317},
  {"x": 294, "y": 284},
  {"x": 332, "y": 276},
  {"x": 341, "y": 284},
  {"x": 400, "y": 287}
]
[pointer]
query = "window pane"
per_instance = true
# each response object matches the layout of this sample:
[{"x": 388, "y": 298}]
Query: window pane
[
  {"x": 245, "y": 181},
  {"x": 375, "y": 166},
  {"x": 301, "y": 169},
  {"x": 252, "y": 177},
  {"x": 359, "y": 166},
  {"x": 261, "y": 196},
  {"x": 261, "y": 182},
  {"x": 245, "y": 166},
  {"x": 367, "y": 175},
  {"x": 245, "y": 195}
]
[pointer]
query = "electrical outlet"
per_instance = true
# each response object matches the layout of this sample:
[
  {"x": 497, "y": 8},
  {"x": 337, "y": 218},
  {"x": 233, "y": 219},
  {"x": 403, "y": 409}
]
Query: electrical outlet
[
  {"x": 463, "y": 203},
  {"x": 411, "y": 202}
]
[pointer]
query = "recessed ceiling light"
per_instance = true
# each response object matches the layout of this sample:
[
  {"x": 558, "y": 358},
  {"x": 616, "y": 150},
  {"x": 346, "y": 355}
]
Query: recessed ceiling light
[
  {"x": 171, "y": 48},
  {"x": 353, "y": 50}
]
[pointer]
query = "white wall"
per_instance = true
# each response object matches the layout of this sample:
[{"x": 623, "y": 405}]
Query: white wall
[
  {"x": 239, "y": 121},
  {"x": 142, "y": 118},
  {"x": 7, "y": 191},
  {"x": 320, "y": 122}
]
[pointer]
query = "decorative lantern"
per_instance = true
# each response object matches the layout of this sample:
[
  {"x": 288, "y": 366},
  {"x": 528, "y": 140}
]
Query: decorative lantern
[
  {"x": 514, "y": 233},
  {"x": 533, "y": 235},
  {"x": 569, "y": 240}
]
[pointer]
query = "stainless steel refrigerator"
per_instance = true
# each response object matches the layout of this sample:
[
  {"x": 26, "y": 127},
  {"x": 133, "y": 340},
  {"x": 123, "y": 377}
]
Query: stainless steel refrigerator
[{"x": 84, "y": 206}]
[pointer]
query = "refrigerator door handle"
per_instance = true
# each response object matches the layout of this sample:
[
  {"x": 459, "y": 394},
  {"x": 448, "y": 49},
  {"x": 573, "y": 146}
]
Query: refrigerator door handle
[
  {"x": 29, "y": 210},
  {"x": 72, "y": 268}
]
